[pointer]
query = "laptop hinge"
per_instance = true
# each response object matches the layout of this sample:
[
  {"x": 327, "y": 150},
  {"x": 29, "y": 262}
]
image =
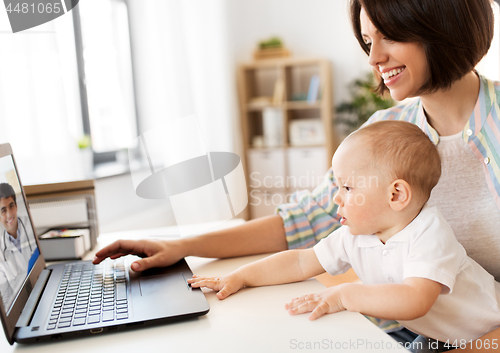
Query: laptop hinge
[{"x": 34, "y": 298}]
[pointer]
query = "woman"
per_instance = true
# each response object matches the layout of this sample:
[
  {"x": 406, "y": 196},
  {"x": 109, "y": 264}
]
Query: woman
[{"x": 419, "y": 48}]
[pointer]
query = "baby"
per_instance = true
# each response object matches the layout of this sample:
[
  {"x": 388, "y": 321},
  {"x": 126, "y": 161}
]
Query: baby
[{"x": 412, "y": 267}]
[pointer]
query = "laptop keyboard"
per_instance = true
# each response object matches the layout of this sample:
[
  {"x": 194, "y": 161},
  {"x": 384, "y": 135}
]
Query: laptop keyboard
[{"x": 89, "y": 294}]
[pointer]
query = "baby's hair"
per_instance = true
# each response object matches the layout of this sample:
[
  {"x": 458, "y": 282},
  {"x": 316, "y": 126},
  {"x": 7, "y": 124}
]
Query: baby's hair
[
  {"x": 401, "y": 150},
  {"x": 455, "y": 34}
]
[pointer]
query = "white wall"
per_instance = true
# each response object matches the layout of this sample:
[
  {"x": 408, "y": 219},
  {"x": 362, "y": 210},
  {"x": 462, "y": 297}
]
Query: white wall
[
  {"x": 119, "y": 208},
  {"x": 308, "y": 28}
]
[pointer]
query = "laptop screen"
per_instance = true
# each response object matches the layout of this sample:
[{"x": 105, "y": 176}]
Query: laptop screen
[{"x": 18, "y": 247}]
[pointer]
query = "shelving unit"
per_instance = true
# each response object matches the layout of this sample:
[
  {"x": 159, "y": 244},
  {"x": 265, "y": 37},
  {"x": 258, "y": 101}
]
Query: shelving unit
[{"x": 276, "y": 95}]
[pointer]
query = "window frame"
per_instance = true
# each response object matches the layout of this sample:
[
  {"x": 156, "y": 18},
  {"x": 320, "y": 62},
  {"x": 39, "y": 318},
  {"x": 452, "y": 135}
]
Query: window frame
[{"x": 98, "y": 157}]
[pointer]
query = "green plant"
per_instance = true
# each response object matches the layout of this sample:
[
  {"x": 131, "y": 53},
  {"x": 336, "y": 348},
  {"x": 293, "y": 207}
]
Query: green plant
[
  {"x": 273, "y": 42},
  {"x": 84, "y": 142},
  {"x": 363, "y": 104}
]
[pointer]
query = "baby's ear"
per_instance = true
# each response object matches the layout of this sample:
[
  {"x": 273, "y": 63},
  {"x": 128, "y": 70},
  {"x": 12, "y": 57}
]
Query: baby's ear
[{"x": 400, "y": 195}]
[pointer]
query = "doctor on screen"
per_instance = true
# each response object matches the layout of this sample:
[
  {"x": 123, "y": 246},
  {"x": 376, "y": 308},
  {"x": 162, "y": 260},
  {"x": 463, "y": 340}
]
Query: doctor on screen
[{"x": 17, "y": 245}]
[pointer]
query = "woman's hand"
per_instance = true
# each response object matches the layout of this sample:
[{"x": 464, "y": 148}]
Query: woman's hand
[
  {"x": 326, "y": 302},
  {"x": 155, "y": 253},
  {"x": 225, "y": 286}
]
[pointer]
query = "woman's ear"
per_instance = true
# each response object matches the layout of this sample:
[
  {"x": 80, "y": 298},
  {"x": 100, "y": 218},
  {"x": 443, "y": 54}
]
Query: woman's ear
[{"x": 400, "y": 195}]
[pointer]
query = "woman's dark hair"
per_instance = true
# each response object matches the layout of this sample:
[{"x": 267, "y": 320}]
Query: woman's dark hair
[{"x": 455, "y": 34}]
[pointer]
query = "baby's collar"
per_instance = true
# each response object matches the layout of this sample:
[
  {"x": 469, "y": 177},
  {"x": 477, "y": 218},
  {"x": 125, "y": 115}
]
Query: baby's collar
[{"x": 370, "y": 241}]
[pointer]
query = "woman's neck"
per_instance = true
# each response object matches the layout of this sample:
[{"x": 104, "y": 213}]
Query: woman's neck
[{"x": 449, "y": 110}]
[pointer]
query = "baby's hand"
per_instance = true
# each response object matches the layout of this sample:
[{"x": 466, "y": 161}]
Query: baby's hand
[
  {"x": 326, "y": 302},
  {"x": 225, "y": 285}
]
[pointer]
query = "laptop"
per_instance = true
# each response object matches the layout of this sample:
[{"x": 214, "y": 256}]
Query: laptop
[{"x": 40, "y": 303}]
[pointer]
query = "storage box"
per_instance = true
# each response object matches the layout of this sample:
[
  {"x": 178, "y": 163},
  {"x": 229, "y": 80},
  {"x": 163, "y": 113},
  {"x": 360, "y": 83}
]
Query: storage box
[
  {"x": 306, "y": 167},
  {"x": 305, "y": 132},
  {"x": 266, "y": 168},
  {"x": 64, "y": 244}
]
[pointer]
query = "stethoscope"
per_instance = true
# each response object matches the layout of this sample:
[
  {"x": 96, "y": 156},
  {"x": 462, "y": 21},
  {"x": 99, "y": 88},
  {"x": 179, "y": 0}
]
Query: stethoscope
[{"x": 5, "y": 240}]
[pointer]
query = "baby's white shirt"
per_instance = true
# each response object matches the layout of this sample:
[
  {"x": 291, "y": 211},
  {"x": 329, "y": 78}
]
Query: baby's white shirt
[{"x": 427, "y": 248}]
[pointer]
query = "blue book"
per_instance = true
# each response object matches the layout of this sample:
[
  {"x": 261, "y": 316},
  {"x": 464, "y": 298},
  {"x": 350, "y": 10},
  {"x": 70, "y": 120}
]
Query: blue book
[{"x": 312, "y": 95}]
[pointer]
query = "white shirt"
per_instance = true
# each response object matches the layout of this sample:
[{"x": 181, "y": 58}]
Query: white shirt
[{"x": 427, "y": 248}]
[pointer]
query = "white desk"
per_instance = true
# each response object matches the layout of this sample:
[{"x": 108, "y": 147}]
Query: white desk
[{"x": 253, "y": 320}]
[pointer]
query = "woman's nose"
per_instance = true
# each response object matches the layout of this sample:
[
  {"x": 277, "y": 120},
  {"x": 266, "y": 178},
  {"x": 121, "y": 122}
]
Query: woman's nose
[{"x": 377, "y": 55}]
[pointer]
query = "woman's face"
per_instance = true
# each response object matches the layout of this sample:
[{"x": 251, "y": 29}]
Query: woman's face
[{"x": 403, "y": 66}]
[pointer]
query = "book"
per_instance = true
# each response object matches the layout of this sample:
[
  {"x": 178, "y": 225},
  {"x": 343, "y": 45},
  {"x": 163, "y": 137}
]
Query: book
[
  {"x": 313, "y": 94},
  {"x": 278, "y": 92},
  {"x": 65, "y": 244},
  {"x": 307, "y": 132},
  {"x": 272, "y": 119}
]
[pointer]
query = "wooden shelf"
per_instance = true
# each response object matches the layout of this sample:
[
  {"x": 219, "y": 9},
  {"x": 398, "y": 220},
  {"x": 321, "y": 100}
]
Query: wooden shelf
[
  {"x": 280, "y": 62},
  {"x": 272, "y": 84},
  {"x": 259, "y": 107},
  {"x": 267, "y": 148},
  {"x": 291, "y": 105},
  {"x": 303, "y": 105}
]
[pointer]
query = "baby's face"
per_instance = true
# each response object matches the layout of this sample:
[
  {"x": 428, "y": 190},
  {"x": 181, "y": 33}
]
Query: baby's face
[{"x": 363, "y": 196}]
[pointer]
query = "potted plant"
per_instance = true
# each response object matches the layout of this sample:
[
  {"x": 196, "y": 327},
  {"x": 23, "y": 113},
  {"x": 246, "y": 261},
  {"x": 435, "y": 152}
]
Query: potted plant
[
  {"x": 271, "y": 48},
  {"x": 86, "y": 153}
]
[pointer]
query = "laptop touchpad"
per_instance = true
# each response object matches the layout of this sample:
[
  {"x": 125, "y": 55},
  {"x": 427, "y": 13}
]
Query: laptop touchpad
[{"x": 162, "y": 284}]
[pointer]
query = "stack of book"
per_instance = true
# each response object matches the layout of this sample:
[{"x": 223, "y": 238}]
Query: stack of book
[{"x": 65, "y": 244}]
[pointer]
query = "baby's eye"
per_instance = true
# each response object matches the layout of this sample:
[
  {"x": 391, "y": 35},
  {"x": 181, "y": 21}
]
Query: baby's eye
[{"x": 347, "y": 188}]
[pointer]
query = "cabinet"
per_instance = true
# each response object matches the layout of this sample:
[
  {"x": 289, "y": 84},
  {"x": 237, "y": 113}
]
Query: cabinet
[
  {"x": 63, "y": 205},
  {"x": 287, "y": 125}
]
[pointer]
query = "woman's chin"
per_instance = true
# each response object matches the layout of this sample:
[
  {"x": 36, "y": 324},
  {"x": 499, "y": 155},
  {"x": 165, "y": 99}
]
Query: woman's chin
[{"x": 397, "y": 95}]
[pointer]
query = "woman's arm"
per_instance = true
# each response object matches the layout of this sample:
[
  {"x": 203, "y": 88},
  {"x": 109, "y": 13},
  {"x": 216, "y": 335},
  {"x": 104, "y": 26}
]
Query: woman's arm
[{"x": 254, "y": 237}]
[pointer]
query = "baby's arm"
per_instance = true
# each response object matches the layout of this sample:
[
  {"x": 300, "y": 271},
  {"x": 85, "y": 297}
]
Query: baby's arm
[
  {"x": 407, "y": 301},
  {"x": 284, "y": 267}
]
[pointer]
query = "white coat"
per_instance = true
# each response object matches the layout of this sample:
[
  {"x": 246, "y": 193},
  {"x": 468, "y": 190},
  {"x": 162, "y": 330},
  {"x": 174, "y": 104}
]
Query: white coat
[{"x": 14, "y": 263}]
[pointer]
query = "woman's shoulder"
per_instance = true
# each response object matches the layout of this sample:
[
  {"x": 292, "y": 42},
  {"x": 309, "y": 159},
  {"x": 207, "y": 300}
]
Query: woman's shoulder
[{"x": 406, "y": 111}]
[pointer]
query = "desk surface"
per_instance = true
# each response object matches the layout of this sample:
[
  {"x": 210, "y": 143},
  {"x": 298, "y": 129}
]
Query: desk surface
[{"x": 253, "y": 320}]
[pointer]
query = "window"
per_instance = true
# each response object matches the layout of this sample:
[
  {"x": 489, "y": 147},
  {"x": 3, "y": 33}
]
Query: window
[
  {"x": 106, "y": 76},
  {"x": 40, "y": 114}
]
